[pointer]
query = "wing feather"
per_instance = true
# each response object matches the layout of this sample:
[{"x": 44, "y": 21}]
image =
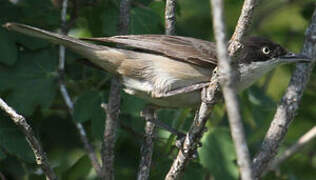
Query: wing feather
[{"x": 191, "y": 50}]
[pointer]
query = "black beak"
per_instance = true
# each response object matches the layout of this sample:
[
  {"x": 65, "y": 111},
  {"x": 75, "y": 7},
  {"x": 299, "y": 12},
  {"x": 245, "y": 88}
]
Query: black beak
[{"x": 294, "y": 58}]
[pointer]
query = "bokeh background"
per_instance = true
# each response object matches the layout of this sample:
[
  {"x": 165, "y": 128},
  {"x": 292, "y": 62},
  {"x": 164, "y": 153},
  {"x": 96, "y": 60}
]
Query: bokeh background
[{"x": 29, "y": 83}]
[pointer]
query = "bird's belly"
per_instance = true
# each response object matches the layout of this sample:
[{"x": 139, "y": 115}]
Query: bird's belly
[
  {"x": 191, "y": 99},
  {"x": 144, "y": 89},
  {"x": 159, "y": 75}
]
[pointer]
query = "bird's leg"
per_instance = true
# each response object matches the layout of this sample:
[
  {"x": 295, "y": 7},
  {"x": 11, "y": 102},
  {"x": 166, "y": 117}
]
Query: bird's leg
[
  {"x": 160, "y": 124},
  {"x": 182, "y": 90}
]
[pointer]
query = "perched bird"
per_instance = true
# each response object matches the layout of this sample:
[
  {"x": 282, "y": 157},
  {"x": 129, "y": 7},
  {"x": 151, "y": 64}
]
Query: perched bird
[{"x": 152, "y": 66}]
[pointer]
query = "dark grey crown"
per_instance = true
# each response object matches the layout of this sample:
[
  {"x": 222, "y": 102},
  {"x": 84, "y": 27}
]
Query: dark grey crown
[{"x": 260, "y": 49}]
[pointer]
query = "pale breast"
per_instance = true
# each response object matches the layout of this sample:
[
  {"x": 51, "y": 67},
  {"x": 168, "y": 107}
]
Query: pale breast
[{"x": 159, "y": 74}]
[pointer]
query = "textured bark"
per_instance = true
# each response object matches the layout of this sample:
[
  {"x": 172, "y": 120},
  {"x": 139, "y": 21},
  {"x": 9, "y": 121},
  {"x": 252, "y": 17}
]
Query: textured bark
[
  {"x": 170, "y": 17},
  {"x": 40, "y": 155},
  {"x": 289, "y": 104},
  {"x": 210, "y": 97},
  {"x": 305, "y": 139},
  {"x": 113, "y": 108},
  {"x": 243, "y": 26},
  {"x": 147, "y": 148},
  {"x": 227, "y": 74}
]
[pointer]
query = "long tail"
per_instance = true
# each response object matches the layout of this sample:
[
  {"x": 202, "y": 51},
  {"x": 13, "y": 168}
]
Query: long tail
[{"x": 97, "y": 54}]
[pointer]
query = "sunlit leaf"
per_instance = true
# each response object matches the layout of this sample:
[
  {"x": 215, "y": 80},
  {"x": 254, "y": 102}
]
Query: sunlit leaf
[
  {"x": 217, "y": 154},
  {"x": 80, "y": 170}
]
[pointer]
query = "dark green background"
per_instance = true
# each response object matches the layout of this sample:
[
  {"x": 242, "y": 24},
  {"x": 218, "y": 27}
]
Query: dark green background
[{"x": 28, "y": 82}]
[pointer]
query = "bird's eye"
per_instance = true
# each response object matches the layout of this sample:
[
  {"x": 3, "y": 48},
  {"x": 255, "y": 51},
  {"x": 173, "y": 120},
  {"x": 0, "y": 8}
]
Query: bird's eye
[{"x": 266, "y": 50}]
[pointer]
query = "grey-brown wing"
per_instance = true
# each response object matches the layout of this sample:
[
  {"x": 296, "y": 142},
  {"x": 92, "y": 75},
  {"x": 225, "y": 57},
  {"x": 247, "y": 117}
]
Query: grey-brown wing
[{"x": 195, "y": 51}]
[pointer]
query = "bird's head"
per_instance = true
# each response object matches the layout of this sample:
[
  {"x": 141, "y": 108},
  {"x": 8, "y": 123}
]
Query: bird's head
[
  {"x": 259, "y": 49},
  {"x": 259, "y": 56}
]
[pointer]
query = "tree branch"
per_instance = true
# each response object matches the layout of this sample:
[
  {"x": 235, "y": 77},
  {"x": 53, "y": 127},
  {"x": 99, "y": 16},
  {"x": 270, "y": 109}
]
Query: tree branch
[
  {"x": 62, "y": 87},
  {"x": 113, "y": 107},
  {"x": 170, "y": 17},
  {"x": 147, "y": 148},
  {"x": 306, "y": 138},
  {"x": 149, "y": 112},
  {"x": 289, "y": 104},
  {"x": 227, "y": 74},
  {"x": 192, "y": 139},
  {"x": 209, "y": 97},
  {"x": 37, "y": 149},
  {"x": 243, "y": 26}
]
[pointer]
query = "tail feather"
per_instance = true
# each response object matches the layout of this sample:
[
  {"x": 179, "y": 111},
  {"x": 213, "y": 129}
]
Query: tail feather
[
  {"x": 79, "y": 46},
  {"x": 105, "y": 57}
]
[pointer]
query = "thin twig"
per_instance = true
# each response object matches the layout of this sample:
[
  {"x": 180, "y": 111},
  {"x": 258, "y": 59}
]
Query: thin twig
[
  {"x": 37, "y": 149},
  {"x": 147, "y": 148},
  {"x": 227, "y": 74},
  {"x": 61, "y": 68},
  {"x": 113, "y": 107},
  {"x": 170, "y": 17},
  {"x": 303, "y": 140},
  {"x": 289, "y": 104}
]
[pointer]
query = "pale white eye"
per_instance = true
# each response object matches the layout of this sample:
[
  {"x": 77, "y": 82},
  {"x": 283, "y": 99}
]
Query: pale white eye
[{"x": 266, "y": 50}]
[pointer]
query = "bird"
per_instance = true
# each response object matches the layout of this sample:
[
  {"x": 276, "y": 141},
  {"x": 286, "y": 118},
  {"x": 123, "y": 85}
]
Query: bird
[{"x": 155, "y": 67}]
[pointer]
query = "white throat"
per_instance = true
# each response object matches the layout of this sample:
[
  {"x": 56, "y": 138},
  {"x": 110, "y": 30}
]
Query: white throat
[{"x": 249, "y": 73}]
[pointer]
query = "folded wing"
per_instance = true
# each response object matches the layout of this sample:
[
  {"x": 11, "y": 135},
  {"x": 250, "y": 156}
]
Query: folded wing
[{"x": 191, "y": 50}]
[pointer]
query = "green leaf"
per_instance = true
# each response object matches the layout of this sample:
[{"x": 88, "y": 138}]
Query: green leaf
[
  {"x": 2, "y": 155},
  {"x": 217, "y": 154},
  {"x": 32, "y": 11},
  {"x": 9, "y": 52},
  {"x": 31, "y": 81},
  {"x": 144, "y": 21},
  {"x": 88, "y": 107},
  {"x": 29, "y": 42},
  {"x": 13, "y": 141},
  {"x": 110, "y": 19},
  {"x": 194, "y": 171},
  {"x": 80, "y": 170},
  {"x": 132, "y": 105}
]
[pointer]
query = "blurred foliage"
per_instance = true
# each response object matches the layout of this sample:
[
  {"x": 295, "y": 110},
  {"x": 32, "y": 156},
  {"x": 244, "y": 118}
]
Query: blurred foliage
[{"x": 28, "y": 82}]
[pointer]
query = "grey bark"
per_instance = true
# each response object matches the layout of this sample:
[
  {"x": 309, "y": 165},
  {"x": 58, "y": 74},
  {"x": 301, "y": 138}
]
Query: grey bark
[
  {"x": 289, "y": 104},
  {"x": 113, "y": 107},
  {"x": 40, "y": 155},
  {"x": 227, "y": 74}
]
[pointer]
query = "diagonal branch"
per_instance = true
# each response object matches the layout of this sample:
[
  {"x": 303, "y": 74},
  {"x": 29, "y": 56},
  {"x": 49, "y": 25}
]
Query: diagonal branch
[
  {"x": 305, "y": 139},
  {"x": 289, "y": 104},
  {"x": 37, "y": 149},
  {"x": 227, "y": 74},
  {"x": 243, "y": 26},
  {"x": 209, "y": 97},
  {"x": 62, "y": 87}
]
